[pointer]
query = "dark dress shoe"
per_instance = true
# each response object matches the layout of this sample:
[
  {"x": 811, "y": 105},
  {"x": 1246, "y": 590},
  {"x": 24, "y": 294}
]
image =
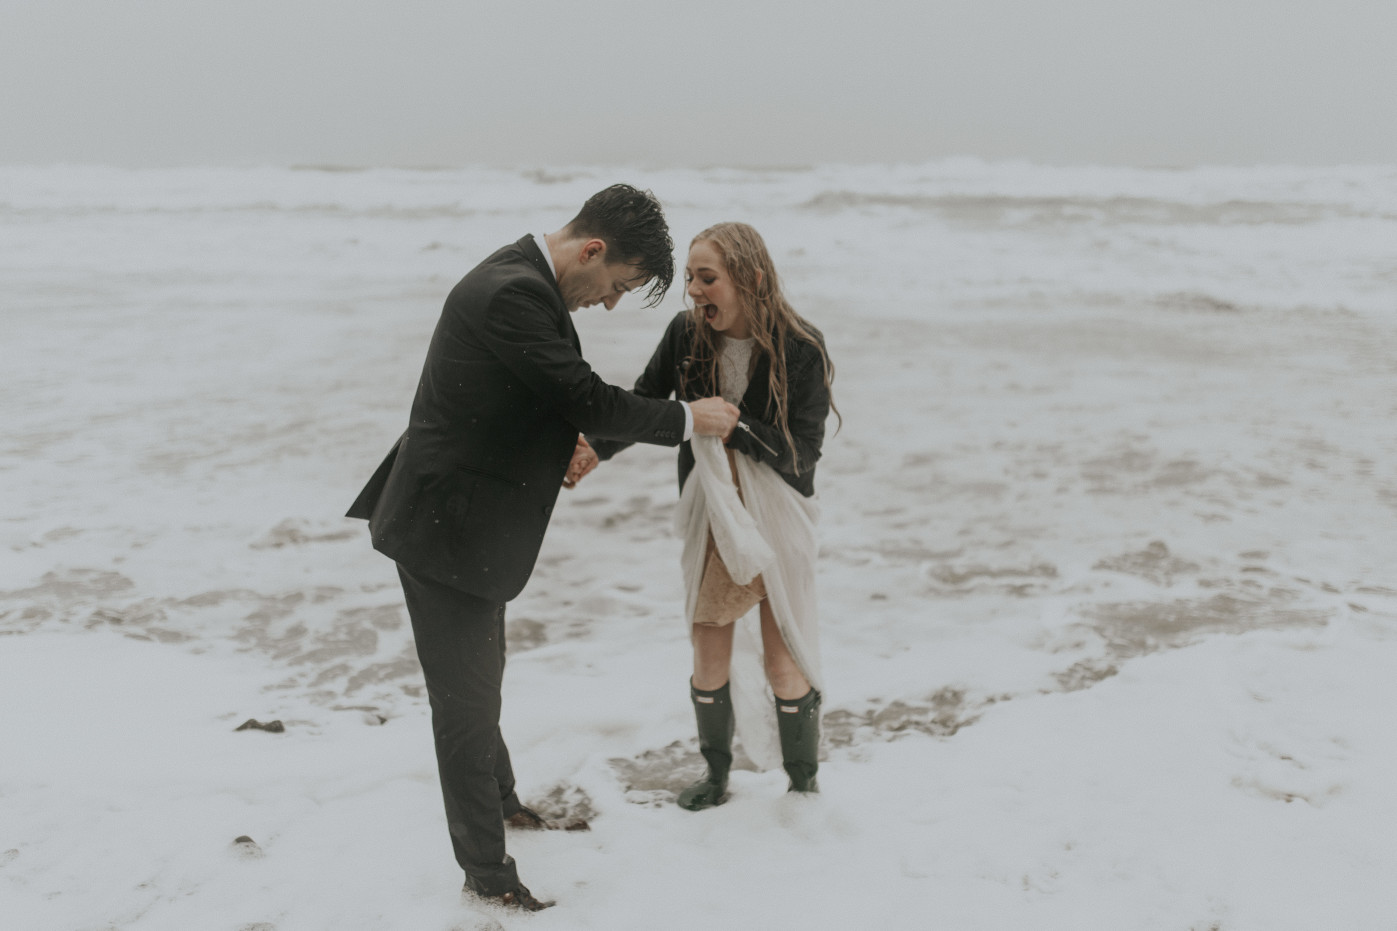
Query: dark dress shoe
[
  {"x": 526, "y": 819},
  {"x": 518, "y": 899}
]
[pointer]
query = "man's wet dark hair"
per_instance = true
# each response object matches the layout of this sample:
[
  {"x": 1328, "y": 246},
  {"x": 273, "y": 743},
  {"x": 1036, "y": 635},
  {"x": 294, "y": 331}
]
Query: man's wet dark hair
[{"x": 632, "y": 224}]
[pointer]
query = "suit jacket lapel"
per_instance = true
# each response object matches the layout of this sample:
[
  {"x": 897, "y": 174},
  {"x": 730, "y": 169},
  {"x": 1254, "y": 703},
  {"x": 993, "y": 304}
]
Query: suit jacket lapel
[{"x": 534, "y": 253}]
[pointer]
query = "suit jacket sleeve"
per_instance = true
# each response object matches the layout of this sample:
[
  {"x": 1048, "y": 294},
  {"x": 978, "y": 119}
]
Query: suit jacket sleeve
[
  {"x": 659, "y": 380},
  {"x": 521, "y": 330}
]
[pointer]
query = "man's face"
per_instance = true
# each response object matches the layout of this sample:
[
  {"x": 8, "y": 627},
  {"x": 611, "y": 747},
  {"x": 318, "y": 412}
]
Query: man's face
[{"x": 595, "y": 281}]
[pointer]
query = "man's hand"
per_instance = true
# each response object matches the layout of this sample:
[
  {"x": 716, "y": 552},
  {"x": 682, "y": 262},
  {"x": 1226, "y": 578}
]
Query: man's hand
[
  {"x": 714, "y": 417},
  {"x": 584, "y": 460}
]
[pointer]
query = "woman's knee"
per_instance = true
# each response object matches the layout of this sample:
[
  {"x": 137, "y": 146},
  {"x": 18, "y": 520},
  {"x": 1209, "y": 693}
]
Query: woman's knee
[
  {"x": 712, "y": 656},
  {"x": 785, "y": 677}
]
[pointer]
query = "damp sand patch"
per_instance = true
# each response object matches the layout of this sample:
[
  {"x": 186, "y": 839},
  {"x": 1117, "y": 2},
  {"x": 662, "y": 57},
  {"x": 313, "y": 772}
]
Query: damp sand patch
[{"x": 1137, "y": 628}]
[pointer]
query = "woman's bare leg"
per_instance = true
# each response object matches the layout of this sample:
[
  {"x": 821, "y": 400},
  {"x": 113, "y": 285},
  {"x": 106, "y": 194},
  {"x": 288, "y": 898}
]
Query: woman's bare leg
[
  {"x": 712, "y": 655},
  {"x": 785, "y": 676}
]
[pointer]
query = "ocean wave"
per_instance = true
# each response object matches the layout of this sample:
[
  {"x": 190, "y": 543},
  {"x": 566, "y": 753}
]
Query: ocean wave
[{"x": 1009, "y": 210}]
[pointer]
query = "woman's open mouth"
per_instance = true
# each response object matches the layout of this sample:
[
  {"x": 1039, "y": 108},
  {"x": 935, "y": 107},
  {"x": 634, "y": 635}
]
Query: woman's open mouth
[{"x": 709, "y": 312}]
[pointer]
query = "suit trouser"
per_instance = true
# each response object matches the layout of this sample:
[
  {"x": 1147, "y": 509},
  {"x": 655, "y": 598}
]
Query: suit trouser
[{"x": 460, "y": 643}]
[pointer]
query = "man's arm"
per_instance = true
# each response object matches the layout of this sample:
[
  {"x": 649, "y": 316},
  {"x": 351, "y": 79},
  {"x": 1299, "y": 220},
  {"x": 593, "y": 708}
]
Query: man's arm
[
  {"x": 521, "y": 330},
  {"x": 655, "y": 381}
]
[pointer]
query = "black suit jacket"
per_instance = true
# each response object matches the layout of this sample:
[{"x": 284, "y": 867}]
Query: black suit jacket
[
  {"x": 760, "y": 435},
  {"x": 465, "y": 495}
]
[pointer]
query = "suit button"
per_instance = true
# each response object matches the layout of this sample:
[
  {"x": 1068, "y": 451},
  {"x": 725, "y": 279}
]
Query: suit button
[{"x": 548, "y": 510}]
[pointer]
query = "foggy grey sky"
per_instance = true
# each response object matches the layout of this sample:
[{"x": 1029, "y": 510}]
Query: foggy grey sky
[{"x": 1145, "y": 82}]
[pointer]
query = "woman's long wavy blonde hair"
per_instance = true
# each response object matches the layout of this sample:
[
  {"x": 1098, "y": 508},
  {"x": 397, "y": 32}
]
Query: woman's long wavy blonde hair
[{"x": 771, "y": 319}]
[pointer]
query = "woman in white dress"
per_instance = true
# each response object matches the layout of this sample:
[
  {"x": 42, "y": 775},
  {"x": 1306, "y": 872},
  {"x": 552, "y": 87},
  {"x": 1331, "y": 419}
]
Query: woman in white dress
[{"x": 747, "y": 510}]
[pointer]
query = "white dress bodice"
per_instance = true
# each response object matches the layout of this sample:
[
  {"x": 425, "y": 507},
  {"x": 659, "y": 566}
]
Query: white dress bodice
[{"x": 734, "y": 368}]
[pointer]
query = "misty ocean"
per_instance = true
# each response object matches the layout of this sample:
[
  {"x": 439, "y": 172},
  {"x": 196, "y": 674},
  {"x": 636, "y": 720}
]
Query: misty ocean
[{"x": 1108, "y": 572}]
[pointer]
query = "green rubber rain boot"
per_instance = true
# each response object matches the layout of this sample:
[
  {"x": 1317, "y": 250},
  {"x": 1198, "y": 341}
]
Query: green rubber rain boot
[
  {"x": 714, "y": 713},
  {"x": 799, "y": 724}
]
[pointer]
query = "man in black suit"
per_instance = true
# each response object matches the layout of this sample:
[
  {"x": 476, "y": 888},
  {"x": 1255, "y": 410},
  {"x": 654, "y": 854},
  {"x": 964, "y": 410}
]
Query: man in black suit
[{"x": 462, "y": 500}]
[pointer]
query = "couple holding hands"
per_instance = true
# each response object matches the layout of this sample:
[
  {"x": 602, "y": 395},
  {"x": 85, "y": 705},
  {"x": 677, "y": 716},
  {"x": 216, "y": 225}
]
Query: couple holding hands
[{"x": 507, "y": 411}]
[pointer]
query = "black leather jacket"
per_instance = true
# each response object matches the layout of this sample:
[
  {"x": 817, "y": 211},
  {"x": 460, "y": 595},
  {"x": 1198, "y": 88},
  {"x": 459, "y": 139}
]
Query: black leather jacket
[{"x": 758, "y": 435}]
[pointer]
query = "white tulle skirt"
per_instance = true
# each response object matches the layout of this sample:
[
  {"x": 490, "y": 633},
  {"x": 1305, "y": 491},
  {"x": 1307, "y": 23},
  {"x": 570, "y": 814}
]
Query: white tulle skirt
[{"x": 774, "y": 536}]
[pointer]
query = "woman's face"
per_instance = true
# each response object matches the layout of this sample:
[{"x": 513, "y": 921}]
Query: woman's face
[{"x": 713, "y": 292}]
